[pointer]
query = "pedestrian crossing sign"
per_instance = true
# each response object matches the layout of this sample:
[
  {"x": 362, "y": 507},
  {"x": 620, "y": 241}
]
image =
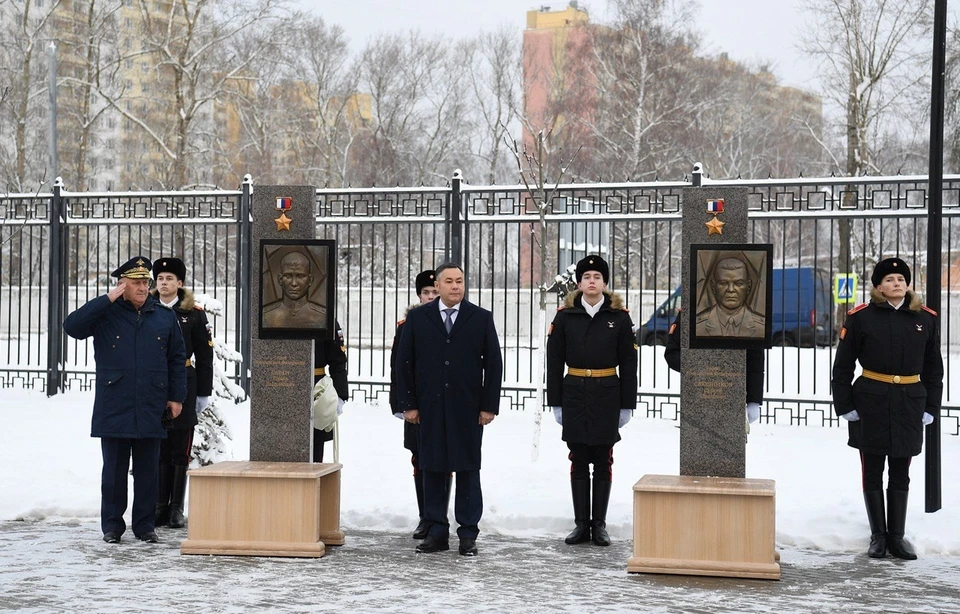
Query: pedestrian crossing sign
[{"x": 845, "y": 288}]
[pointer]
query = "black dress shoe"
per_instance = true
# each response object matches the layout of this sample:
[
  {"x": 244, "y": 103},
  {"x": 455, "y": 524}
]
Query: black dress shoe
[
  {"x": 111, "y": 538},
  {"x": 422, "y": 530},
  {"x": 433, "y": 544},
  {"x": 468, "y": 547},
  {"x": 149, "y": 537}
]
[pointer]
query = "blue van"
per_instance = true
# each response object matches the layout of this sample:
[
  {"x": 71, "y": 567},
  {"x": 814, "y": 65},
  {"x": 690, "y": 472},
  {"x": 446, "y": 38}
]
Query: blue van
[{"x": 801, "y": 310}]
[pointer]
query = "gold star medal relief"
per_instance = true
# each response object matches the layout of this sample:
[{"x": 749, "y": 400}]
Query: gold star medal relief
[
  {"x": 284, "y": 204},
  {"x": 715, "y": 226}
]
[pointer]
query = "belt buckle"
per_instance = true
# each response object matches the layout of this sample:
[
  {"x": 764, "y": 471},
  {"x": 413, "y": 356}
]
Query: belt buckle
[
  {"x": 896, "y": 379},
  {"x": 588, "y": 372}
]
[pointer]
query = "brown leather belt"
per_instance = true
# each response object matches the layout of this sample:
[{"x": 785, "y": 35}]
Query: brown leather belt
[
  {"x": 189, "y": 363},
  {"x": 891, "y": 379},
  {"x": 321, "y": 371},
  {"x": 592, "y": 372}
]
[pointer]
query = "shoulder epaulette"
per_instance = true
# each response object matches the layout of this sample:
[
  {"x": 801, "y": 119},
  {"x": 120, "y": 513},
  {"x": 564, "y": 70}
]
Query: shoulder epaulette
[
  {"x": 400, "y": 322},
  {"x": 561, "y": 307},
  {"x": 624, "y": 309},
  {"x": 859, "y": 307},
  {"x": 928, "y": 310},
  {"x": 198, "y": 307}
]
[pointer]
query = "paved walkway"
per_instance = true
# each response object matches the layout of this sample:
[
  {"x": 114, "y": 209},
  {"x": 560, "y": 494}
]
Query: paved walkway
[{"x": 65, "y": 567}]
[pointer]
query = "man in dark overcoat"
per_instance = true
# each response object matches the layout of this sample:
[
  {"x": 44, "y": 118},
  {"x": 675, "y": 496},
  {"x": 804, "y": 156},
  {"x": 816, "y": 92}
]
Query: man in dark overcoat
[
  {"x": 449, "y": 371},
  {"x": 426, "y": 292},
  {"x": 175, "y": 450},
  {"x": 140, "y": 360},
  {"x": 592, "y": 338},
  {"x": 330, "y": 358}
]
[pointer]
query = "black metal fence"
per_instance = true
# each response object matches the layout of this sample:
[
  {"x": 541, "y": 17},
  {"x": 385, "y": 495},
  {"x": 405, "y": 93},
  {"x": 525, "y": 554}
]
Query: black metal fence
[{"x": 57, "y": 248}]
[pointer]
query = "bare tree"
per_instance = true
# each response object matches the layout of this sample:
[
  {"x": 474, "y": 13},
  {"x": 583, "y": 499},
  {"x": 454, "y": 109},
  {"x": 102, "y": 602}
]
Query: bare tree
[
  {"x": 870, "y": 63},
  {"x": 492, "y": 63},
  {"x": 22, "y": 36}
]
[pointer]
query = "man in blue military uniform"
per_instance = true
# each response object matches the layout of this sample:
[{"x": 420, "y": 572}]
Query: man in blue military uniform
[
  {"x": 175, "y": 450},
  {"x": 141, "y": 375}
]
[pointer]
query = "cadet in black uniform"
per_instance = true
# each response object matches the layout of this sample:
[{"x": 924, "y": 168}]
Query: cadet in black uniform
[
  {"x": 593, "y": 336},
  {"x": 175, "y": 450},
  {"x": 755, "y": 367},
  {"x": 330, "y": 354},
  {"x": 897, "y": 341},
  {"x": 426, "y": 292}
]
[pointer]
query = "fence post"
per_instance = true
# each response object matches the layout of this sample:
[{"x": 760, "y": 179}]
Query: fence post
[
  {"x": 696, "y": 178},
  {"x": 55, "y": 295},
  {"x": 244, "y": 328},
  {"x": 455, "y": 243}
]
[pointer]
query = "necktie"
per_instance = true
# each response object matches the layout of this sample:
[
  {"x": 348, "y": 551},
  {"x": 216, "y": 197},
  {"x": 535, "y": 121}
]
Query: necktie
[{"x": 448, "y": 319}]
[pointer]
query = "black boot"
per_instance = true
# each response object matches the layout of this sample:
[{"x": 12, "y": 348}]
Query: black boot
[
  {"x": 177, "y": 493},
  {"x": 601, "y": 497},
  {"x": 878, "y": 523},
  {"x": 164, "y": 482},
  {"x": 422, "y": 528},
  {"x": 581, "y": 511},
  {"x": 896, "y": 520}
]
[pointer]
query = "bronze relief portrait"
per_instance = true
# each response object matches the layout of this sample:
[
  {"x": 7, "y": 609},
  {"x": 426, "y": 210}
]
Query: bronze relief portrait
[
  {"x": 731, "y": 296},
  {"x": 297, "y": 285}
]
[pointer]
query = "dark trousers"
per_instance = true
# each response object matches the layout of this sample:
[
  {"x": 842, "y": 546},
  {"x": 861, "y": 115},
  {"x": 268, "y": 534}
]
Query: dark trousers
[
  {"x": 175, "y": 449},
  {"x": 113, "y": 483},
  {"x": 897, "y": 479},
  {"x": 467, "y": 506},
  {"x": 319, "y": 437},
  {"x": 582, "y": 456}
]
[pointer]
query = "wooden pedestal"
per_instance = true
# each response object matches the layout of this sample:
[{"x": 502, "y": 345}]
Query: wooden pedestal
[
  {"x": 704, "y": 526},
  {"x": 264, "y": 509}
]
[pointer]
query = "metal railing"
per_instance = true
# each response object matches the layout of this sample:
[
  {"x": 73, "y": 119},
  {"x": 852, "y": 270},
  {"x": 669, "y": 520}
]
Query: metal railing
[{"x": 56, "y": 250}]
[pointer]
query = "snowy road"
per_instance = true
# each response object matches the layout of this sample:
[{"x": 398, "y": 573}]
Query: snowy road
[{"x": 56, "y": 567}]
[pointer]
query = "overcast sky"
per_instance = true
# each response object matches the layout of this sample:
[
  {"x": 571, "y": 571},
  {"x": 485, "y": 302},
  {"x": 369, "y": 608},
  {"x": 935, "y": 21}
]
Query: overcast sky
[{"x": 752, "y": 31}]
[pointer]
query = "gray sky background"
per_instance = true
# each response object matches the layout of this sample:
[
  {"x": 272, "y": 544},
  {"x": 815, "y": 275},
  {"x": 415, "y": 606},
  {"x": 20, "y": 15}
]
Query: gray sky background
[{"x": 752, "y": 31}]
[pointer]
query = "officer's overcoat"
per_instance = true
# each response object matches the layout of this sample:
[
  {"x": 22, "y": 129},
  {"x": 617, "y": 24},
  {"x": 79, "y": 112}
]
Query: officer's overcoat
[
  {"x": 140, "y": 360},
  {"x": 331, "y": 356}
]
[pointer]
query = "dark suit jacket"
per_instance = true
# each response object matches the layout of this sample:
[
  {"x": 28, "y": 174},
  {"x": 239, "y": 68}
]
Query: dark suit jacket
[{"x": 450, "y": 380}]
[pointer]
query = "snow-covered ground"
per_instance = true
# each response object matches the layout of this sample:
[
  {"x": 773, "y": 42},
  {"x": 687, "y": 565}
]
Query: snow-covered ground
[
  {"x": 52, "y": 558},
  {"x": 50, "y": 469}
]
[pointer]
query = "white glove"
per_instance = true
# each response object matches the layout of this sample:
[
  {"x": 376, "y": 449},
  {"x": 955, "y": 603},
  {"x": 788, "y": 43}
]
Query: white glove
[
  {"x": 927, "y": 418},
  {"x": 339, "y": 406},
  {"x": 399, "y": 414},
  {"x": 558, "y": 415},
  {"x": 625, "y": 415},
  {"x": 202, "y": 403},
  {"x": 852, "y": 416},
  {"x": 753, "y": 412}
]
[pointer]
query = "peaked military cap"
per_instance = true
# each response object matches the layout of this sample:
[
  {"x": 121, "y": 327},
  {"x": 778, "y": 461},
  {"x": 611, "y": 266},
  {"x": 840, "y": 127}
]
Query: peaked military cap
[
  {"x": 593, "y": 263},
  {"x": 170, "y": 265},
  {"x": 425, "y": 278},
  {"x": 888, "y": 266},
  {"x": 137, "y": 267}
]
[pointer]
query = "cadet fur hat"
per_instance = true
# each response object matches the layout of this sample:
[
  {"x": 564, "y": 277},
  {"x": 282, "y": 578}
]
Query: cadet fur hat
[
  {"x": 137, "y": 267},
  {"x": 593, "y": 263},
  {"x": 170, "y": 265},
  {"x": 424, "y": 279},
  {"x": 886, "y": 267}
]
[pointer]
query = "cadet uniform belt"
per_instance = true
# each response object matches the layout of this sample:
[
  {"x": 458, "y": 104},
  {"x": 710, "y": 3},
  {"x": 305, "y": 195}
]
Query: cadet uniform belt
[
  {"x": 592, "y": 372},
  {"x": 891, "y": 379},
  {"x": 189, "y": 363},
  {"x": 321, "y": 371}
]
